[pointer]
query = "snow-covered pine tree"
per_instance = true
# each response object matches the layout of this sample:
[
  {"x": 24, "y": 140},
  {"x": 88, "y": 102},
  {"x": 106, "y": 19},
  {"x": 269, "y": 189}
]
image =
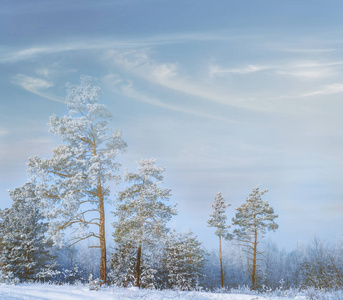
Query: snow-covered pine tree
[
  {"x": 73, "y": 182},
  {"x": 218, "y": 220},
  {"x": 25, "y": 249},
  {"x": 183, "y": 261},
  {"x": 141, "y": 211},
  {"x": 254, "y": 218}
]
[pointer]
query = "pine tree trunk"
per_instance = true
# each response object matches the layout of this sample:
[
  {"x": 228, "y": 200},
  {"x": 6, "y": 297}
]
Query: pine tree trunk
[
  {"x": 138, "y": 266},
  {"x": 103, "y": 259},
  {"x": 221, "y": 262},
  {"x": 102, "y": 242},
  {"x": 253, "y": 275}
]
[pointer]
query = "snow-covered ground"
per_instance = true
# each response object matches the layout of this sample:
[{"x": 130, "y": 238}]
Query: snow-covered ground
[{"x": 82, "y": 292}]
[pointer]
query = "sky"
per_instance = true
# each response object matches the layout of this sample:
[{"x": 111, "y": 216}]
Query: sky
[{"x": 227, "y": 95}]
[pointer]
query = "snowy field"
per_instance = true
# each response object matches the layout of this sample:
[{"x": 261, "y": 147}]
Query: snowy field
[{"x": 82, "y": 292}]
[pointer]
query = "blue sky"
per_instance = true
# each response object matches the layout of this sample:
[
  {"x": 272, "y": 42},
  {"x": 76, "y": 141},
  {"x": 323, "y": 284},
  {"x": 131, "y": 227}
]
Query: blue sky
[{"x": 225, "y": 94}]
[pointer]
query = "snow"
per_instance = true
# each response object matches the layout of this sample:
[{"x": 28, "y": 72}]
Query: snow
[{"x": 82, "y": 292}]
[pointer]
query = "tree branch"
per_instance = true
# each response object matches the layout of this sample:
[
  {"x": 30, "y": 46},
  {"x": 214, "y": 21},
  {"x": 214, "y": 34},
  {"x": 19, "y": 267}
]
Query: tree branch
[{"x": 83, "y": 238}]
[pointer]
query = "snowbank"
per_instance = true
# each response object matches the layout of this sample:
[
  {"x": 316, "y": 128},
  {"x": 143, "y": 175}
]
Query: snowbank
[{"x": 82, "y": 292}]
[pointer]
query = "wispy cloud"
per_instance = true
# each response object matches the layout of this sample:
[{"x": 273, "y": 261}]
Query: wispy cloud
[
  {"x": 10, "y": 56},
  {"x": 133, "y": 56},
  {"x": 35, "y": 85},
  {"x": 299, "y": 69},
  {"x": 127, "y": 89},
  {"x": 45, "y": 72},
  {"x": 138, "y": 63},
  {"x": 307, "y": 50},
  {"x": 135, "y": 61},
  {"x": 308, "y": 73},
  {"x": 19, "y": 55},
  {"x": 314, "y": 64},
  {"x": 330, "y": 89},
  {"x": 310, "y": 69},
  {"x": 327, "y": 90},
  {"x": 15, "y": 55},
  {"x": 217, "y": 70}
]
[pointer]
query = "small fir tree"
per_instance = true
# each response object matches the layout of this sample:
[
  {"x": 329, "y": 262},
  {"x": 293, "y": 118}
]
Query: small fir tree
[
  {"x": 254, "y": 218},
  {"x": 123, "y": 267},
  {"x": 141, "y": 211},
  {"x": 25, "y": 251},
  {"x": 183, "y": 261},
  {"x": 218, "y": 220},
  {"x": 123, "y": 264}
]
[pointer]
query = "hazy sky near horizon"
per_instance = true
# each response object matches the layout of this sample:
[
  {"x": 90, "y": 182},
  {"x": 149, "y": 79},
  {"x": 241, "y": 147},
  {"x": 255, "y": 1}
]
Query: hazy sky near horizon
[{"x": 225, "y": 94}]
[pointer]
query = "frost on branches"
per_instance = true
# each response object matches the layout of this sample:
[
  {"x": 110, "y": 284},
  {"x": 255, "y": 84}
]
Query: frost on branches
[
  {"x": 24, "y": 249},
  {"x": 141, "y": 211},
  {"x": 218, "y": 220},
  {"x": 73, "y": 183},
  {"x": 254, "y": 218}
]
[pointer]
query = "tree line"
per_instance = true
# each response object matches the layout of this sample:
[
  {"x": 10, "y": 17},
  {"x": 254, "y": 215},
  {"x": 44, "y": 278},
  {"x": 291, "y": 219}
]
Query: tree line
[{"x": 64, "y": 203}]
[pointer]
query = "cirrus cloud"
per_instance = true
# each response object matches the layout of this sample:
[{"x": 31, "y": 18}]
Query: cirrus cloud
[{"x": 35, "y": 85}]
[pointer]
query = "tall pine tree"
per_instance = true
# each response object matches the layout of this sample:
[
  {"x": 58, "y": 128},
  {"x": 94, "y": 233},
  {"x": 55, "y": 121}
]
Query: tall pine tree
[
  {"x": 73, "y": 183},
  {"x": 141, "y": 211},
  {"x": 254, "y": 218},
  {"x": 218, "y": 220}
]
